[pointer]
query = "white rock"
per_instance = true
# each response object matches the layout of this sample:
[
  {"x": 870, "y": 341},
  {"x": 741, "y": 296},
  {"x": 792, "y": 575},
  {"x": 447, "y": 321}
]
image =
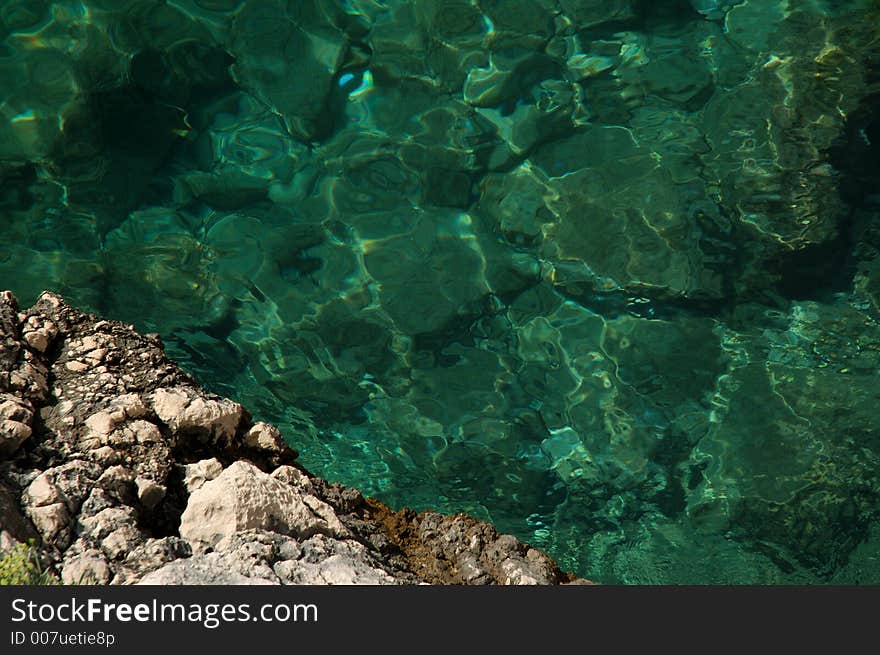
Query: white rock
[
  {"x": 7, "y": 541},
  {"x": 101, "y": 424},
  {"x": 88, "y": 343},
  {"x": 50, "y": 520},
  {"x": 195, "y": 475},
  {"x": 263, "y": 436},
  {"x": 17, "y": 409},
  {"x": 170, "y": 403},
  {"x": 118, "y": 480},
  {"x": 292, "y": 475},
  {"x": 38, "y": 340},
  {"x": 145, "y": 432},
  {"x": 16, "y": 415},
  {"x": 116, "y": 475},
  {"x": 39, "y": 333},
  {"x": 242, "y": 497},
  {"x": 41, "y": 492},
  {"x": 106, "y": 455},
  {"x": 96, "y": 356},
  {"x": 182, "y": 410},
  {"x": 335, "y": 570},
  {"x": 332, "y": 562},
  {"x": 149, "y": 492},
  {"x": 516, "y": 573},
  {"x": 123, "y": 436},
  {"x": 131, "y": 404}
]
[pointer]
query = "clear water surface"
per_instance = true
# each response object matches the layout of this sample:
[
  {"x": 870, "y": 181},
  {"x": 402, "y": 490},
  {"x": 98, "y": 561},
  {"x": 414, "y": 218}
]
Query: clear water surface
[{"x": 604, "y": 273}]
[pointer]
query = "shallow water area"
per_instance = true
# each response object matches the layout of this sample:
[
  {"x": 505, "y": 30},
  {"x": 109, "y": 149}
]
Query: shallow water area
[{"x": 603, "y": 273}]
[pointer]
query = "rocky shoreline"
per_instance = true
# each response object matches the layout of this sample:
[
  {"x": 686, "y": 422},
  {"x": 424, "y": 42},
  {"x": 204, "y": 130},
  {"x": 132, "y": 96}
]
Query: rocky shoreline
[{"x": 123, "y": 470}]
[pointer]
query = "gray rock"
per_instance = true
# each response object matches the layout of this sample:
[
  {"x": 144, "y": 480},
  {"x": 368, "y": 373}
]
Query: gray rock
[
  {"x": 10, "y": 328},
  {"x": 461, "y": 550},
  {"x": 241, "y": 558},
  {"x": 121, "y": 542},
  {"x": 72, "y": 480},
  {"x": 106, "y": 522},
  {"x": 12, "y": 435},
  {"x": 333, "y": 562},
  {"x": 150, "y": 556},
  {"x": 14, "y": 528},
  {"x": 210, "y": 569},
  {"x": 149, "y": 492},
  {"x": 118, "y": 481}
]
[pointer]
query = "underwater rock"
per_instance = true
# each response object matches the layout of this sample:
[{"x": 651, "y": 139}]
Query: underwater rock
[
  {"x": 266, "y": 48},
  {"x": 596, "y": 223},
  {"x": 781, "y": 465},
  {"x": 590, "y": 13}
]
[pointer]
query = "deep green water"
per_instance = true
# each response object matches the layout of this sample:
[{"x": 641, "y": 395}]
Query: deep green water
[{"x": 604, "y": 272}]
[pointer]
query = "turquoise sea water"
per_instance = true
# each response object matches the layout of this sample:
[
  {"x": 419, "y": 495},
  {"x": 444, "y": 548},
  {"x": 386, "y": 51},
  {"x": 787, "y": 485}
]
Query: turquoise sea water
[{"x": 604, "y": 273}]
